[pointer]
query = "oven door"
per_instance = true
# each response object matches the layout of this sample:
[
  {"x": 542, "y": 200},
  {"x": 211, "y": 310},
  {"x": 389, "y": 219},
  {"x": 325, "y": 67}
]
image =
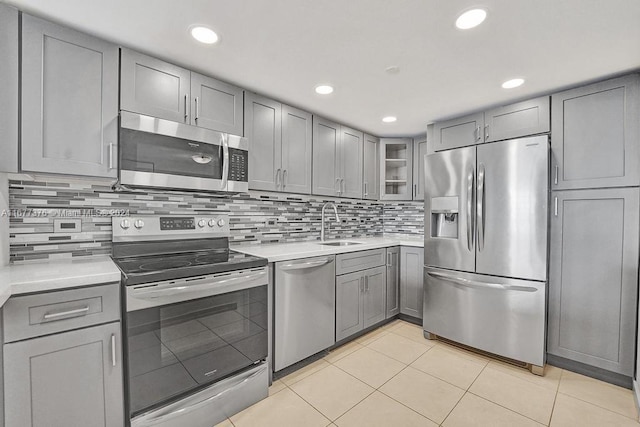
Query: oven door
[
  {"x": 183, "y": 335},
  {"x": 165, "y": 154}
]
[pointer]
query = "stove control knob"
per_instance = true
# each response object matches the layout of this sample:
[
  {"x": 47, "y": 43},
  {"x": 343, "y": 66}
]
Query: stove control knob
[
  {"x": 202, "y": 223},
  {"x": 212, "y": 223},
  {"x": 138, "y": 223},
  {"x": 125, "y": 224},
  {"x": 221, "y": 222}
]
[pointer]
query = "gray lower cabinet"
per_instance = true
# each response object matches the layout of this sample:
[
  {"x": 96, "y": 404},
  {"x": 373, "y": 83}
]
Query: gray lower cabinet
[
  {"x": 411, "y": 281},
  {"x": 9, "y": 88},
  {"x": 593, "y": 277},
  {"x": 279, "y": 146},
  {"x": 371, "y": 168},
  {"x": 419, "y": 151},
  {"x": 159, "y": 89},
  {"x": 360, "y": 301},
  {"x": 596, "y": 135},
  {"x": 69, "y": 101},
  {"x": 337, "y": 160},
  {"x": 68, "y": 379},
  {"x": 393, "y": 281}
]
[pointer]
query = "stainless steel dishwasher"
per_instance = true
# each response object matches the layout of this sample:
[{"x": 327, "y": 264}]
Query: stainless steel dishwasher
[{"x": 305, "y": 307}]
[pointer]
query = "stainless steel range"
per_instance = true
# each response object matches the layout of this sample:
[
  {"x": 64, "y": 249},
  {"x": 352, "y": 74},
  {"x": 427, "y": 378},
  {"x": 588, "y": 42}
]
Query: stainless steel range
[{"x": 196, "y": 320}]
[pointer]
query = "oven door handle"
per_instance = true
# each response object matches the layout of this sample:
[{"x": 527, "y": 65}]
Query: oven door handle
[
  {"x": 150, "y": 293},
  {"x": 185, "y": 410}
]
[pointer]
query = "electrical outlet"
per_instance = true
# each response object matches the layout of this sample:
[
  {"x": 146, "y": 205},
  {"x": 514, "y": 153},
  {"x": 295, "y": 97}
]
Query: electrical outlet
[{"x": 272, "y": 221}]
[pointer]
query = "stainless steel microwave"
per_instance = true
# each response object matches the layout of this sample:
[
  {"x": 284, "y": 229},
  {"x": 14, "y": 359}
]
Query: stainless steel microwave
[{"x": 164, "y": 154}]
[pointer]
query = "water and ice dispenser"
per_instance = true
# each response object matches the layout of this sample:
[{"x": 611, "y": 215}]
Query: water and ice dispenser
[{"x": 444, "y": 217}]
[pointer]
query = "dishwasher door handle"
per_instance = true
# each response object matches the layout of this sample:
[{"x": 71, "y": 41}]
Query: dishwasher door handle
[{"x": 306, "y": 265}]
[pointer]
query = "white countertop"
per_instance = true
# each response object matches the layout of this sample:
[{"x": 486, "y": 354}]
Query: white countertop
[
  {"x": 58, "y": 274},
  {"x": 288, "y": 251}
]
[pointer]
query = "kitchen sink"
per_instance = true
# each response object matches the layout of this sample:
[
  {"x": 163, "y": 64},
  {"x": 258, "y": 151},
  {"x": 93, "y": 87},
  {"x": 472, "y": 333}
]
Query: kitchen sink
[{"x": 340, "y": 243}]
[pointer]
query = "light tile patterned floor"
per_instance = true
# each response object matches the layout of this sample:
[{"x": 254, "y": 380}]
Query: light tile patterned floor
[{"x": 394, "y": 377}]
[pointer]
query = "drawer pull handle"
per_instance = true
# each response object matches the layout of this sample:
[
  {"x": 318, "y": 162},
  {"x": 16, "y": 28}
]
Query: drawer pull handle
[
  {"x": 77, "y": 311},
  {"x": 113, "y": 350}
]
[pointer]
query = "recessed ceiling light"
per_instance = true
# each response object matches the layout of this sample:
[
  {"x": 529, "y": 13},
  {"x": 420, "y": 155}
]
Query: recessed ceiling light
[
  {"x": 324, "y": 89},
  {"x": 204, "y": 35},
  {"x": 510, "y": 84},
  {"x": 471, "y": 18},
  {"x": 389, "y": 119},
  {"x": 394, "y": 69}
]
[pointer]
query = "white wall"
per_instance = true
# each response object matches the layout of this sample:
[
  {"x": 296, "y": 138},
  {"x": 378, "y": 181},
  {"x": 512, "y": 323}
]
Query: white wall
[{"x": 4, "y": 220}]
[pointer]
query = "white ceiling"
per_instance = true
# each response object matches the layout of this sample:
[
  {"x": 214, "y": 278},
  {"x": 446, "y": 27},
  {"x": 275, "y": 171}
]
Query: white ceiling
[{"x": 284, "y": 48}]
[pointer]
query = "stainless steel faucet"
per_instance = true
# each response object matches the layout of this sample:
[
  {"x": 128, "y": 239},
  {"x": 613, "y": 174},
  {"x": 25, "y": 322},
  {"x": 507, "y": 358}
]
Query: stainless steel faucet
[{"x": 335, "y": 209}]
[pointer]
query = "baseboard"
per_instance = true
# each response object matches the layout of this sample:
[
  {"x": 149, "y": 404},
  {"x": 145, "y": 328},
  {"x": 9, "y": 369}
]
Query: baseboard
[
  {"x": 636, "y": 394},
  {"x": 591, "y": 371}
]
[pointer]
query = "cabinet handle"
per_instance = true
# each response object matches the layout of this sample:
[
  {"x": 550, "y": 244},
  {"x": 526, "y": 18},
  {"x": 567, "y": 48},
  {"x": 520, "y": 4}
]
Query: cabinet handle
[
  {"x": 478, "y": 133},
  {"x": 113, "y": 350},
  {"x": 284, "y": 178},
  {"x": 197, "y": 109},
  {"x": 362, "y": 284},
  {"x": 555, "y": 180},
  {"x": 415, "y": 190},
  {"x": 278, "y": 178},
  {"x": 486, "y": 132},
  {"x": 389, "y": 259},
  {"x": 342, "y": 186},
  {"x": 338, "y": 182},
  {"x": 111, "y": 151},
  {"x": 75, "y": 312},
  {"x": 366, "y": 193},
  {"x": 555, "y": 209},
  {"x": 366, "y": 283},
  {"x": 186, "y": 106}
]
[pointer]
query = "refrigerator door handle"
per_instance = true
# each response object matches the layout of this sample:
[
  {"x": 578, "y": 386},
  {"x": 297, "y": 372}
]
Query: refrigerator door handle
[
  {"x": 480, "y": 206},
  {"x": 479, "y": 285},
  {"x": 470, "y": 221}
]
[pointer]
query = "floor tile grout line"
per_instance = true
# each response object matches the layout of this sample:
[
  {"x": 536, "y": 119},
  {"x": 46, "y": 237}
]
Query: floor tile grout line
[
  {"x": 598, "y": 406},
  {"x": 508, "y": 409},
  {"x": 390, "y": 357},
  {"x": 464, "y": 394}
]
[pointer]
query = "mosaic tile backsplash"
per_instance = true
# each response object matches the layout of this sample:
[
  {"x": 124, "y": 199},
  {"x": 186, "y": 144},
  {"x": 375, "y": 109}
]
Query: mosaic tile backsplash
[{"x": 255, "y": 218}]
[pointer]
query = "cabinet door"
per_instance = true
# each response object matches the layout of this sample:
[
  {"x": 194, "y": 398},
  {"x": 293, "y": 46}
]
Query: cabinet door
[
  {"x": 296, "y": 150},
  {"x": 517, "y": 120},
  {"x": 154, "y": 87},
  {"x": 459, "y": 132},
  {"x": 596, "y": 134},
  {"x": 326, "y": 164},
  {"x": 371, "y": 168},
  {"x": 69, "y": 101},
  {"x": 374, "y": 296},
  {"x": 396, "y": 168},
  {"x": 349, "y": 308},
  {"x": 419, "y": 151},
  {"x": 393, "y": 281},
  {"x": 67, "y": 379},
  {"x": 351, "y": 146},
  {"x": 264, "y": 133},
  {"x": 593, "y": 273},
  {"x": 216, "y": 105},
  {"x": 9, "y": 88},
  {"x": 411, "y": 287}
]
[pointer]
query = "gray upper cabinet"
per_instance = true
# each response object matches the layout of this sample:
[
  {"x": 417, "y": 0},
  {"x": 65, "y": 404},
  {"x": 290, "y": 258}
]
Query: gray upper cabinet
[
  {"x": 371, "y": 168},
  {"x": 393, "y": 281},
  {"x": 593, "y": 277},
  {"x": 67, "y": 379},
  {"x": 396, "y": 169},
  {"x": 411, "y": 286},
  {"x": 596, "y": 135},
  {"x": 459, "y": 132},
  {"x": 69, "y": 101},
  {"x": 419, "y": 151},
  {"x": 216, "y": 105},
  {"x": 263, "y": 118},
  {"x": 516, "y": 120},
  {"x": 153, "y": 87},
  {"x": 351, "y": 146},
  {"x": 279, "y": 146},
  {"x": 9, "y": 88},
  {"x": 159, "y": 89},
  {"x": 296, "y": 150},
  {"x": 326, "y": 160}
]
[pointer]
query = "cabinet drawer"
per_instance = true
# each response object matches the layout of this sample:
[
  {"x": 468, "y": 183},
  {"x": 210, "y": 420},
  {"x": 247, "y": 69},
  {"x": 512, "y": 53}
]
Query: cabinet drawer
[
  {"x": 42, "y": 314},
  {"x": 356, "y": 261}
]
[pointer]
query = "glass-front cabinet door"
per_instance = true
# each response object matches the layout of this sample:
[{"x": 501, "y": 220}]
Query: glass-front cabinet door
[{"x": 396, "y": 169}]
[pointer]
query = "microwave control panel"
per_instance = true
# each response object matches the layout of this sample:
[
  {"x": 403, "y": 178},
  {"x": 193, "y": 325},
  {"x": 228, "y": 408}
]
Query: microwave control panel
[{"x": 238, "y": 165}]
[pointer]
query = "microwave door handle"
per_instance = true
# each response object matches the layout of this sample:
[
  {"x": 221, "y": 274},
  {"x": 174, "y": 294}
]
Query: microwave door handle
[{"x": 225, "y": 160}]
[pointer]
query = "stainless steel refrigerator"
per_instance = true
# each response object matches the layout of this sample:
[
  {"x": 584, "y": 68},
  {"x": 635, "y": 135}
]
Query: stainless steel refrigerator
[{"x": 485, "y": 248}]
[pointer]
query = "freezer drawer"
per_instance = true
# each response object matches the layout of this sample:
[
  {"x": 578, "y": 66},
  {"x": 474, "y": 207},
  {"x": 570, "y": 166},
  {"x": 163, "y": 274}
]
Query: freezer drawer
[{"x": 501, "y": 316}]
